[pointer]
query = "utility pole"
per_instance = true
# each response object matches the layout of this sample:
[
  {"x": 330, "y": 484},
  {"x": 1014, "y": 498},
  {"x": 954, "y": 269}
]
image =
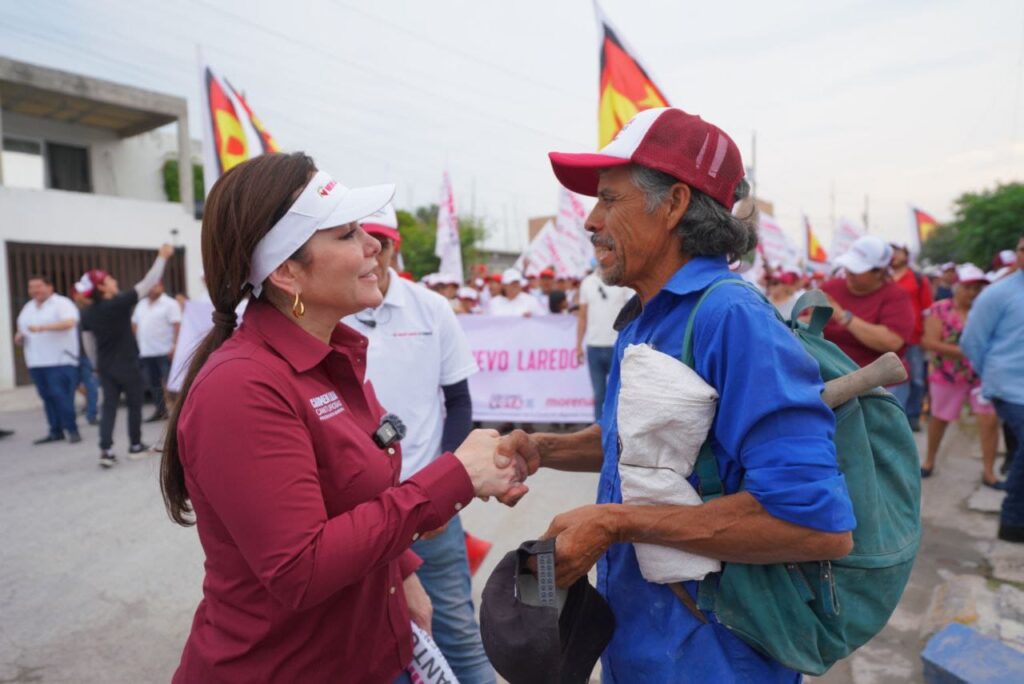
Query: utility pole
[{"x": 866, "y": 217}]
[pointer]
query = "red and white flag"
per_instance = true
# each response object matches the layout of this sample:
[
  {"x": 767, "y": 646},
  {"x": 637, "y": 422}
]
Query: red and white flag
[
  {"x": 448, "y": 248},
  {"x": 232, "y": 132}
]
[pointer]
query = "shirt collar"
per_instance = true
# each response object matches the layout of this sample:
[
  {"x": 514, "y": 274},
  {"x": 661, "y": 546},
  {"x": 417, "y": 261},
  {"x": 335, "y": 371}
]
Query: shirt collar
[
  {"x": 694, "y": 276},
  {"x": 396, "y": 290},
  {"x": 296, "y": 346}
]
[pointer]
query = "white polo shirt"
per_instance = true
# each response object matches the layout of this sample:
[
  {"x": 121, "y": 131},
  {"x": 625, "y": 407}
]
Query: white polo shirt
[
  {"x": 523, "y": 303},
  {"x": 51, "y": 348},
  {"x": 416, "y": 347},
  {"x": 604, "y": 302},
  {"x": 155, "y": 323}
]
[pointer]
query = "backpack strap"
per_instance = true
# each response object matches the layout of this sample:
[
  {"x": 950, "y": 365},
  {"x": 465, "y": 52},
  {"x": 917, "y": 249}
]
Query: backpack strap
[{"x": 820, "y": 314}]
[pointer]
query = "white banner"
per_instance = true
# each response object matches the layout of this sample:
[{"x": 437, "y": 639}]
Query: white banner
[
  {"x": 196, "y": 321},
  {"x": 846, "y": 233},
  {"x": 774, "y": 244},
  {"x": 528, "y": 370}
]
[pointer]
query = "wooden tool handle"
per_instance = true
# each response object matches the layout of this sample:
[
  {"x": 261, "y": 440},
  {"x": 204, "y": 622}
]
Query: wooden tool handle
[{"x": 885, "y": 370}]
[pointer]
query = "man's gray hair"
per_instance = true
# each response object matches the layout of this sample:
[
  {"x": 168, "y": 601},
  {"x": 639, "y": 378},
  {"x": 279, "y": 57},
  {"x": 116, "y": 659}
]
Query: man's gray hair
[{"x": 707, "y": 228}]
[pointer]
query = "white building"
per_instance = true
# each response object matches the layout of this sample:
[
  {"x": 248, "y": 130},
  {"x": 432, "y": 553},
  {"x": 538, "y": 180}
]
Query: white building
[{"x": 82, "y": 186}]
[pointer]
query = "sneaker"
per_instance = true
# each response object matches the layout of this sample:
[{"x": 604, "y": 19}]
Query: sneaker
[
  {"x": 138, "y": 448},
  {"x": 156, "y": 418},
  {"x": 92, "y": 421},
  {"x": 107, "y": 459},
  {"x": 74, "y": 437},
  {"x": 49, "y": 438},
  {"x": 137, "y": 452}
]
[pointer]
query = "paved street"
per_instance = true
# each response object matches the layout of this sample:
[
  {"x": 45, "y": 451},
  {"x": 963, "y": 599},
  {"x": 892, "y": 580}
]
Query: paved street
[{"x": 99, "y": 586}]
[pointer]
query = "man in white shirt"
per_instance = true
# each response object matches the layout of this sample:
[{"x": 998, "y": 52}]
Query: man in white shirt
[
  {"x": 514, "y": 301},
  {"x": 156, "y": 323},
  {"x": 47, "y": 329},
  {"x": 599, "y": 305},
  {"x": 419, "y": 362}
]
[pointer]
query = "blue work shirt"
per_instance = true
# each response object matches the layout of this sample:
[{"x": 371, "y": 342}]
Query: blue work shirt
[
  {"x": 993, "y": 339},
  {"x": 772, "y": 433}
]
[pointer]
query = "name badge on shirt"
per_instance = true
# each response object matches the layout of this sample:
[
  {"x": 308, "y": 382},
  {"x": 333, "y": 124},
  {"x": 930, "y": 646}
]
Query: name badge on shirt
[{"x": 327, "y": 405}]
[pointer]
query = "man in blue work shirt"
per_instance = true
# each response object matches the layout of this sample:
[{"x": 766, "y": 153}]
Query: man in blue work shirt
[
  {"x": 993, "y": 339},
  {"x": 662, "y": 226}
]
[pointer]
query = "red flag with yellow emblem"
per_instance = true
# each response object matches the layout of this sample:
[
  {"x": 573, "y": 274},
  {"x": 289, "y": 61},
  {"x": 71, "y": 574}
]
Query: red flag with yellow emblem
[
  {"x": 233, "y": 132},
  {"x": 625, "y": 87},
  {"x": 815, "y": 251},
  {"x": 924, "y": 224}
]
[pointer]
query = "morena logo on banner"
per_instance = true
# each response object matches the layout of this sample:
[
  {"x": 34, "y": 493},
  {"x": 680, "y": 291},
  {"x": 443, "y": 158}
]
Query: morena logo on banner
[
  {"x": 325, "y": 190},
  {"x": 506, "y": 401}
]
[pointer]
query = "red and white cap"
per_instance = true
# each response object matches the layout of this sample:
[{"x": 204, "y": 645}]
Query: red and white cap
[
  {"x": 665, "y": 139},
  {"x": 383, "y": 222},
  {"x": 969, "y": 273}
]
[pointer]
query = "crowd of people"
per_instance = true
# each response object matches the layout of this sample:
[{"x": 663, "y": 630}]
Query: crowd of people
[
  {"x": 326, "y": 464},
  {"x": 881, "y": 303},
  {"x": 120, "y": 341}
]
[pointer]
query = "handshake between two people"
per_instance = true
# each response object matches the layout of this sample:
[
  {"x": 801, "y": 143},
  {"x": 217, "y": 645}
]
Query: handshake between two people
[{"x": 499, "y": 465}]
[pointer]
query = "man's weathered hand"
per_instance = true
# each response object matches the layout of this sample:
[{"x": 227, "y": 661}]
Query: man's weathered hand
[
  {"x": 166, "y": 251},
  {"x": 584, "y": 534},
  {"x": 517, "y": 447}
]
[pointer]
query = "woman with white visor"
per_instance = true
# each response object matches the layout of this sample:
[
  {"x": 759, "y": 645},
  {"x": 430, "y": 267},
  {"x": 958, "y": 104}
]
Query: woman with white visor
[{"x": 281, "y": 455}]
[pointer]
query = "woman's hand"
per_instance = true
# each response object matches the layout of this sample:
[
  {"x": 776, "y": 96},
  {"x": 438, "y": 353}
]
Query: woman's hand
[
  {"x": 421, "y": 611},
  {"x": 491, "y": 473}
]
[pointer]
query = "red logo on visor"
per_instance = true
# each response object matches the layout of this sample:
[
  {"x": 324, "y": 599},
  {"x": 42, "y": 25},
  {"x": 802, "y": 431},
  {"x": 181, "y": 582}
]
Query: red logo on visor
[{"x": 325, "y": 190}]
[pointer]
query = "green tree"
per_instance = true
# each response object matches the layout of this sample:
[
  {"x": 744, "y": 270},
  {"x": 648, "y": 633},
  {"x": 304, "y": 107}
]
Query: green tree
[
  {"x": 984, "y": 224},
  {"x": 419, "y": 235}
]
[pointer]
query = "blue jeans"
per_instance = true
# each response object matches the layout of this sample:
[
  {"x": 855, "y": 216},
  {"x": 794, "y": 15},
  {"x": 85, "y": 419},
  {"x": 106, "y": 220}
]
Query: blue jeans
[
  {"x": 599, "y": 360},
  {"x": 445, "y": 576},
  {"x": 915, "y": 392},
  {"x": 154, "y": 373},
  {"x": 1013, "y": 504},
  {"x": 56, "y": 386},
  {"x": 87, "y": 378}
]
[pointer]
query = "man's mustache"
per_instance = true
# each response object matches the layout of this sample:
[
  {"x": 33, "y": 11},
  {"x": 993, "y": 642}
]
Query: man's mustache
[{"x": 598, "y": 241}]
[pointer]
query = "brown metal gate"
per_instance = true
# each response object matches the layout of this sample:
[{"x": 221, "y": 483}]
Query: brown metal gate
[{"x": 65, "y": 264}]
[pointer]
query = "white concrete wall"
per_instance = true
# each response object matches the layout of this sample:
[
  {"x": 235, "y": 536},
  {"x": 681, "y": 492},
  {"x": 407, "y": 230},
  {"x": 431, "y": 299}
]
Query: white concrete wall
[
  {"x": 59, "y": 217},
  {"x": 128, "y": 167}
]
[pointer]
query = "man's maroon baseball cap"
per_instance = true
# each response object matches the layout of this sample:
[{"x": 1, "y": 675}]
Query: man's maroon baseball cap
[{"x": 666, "y": 139}]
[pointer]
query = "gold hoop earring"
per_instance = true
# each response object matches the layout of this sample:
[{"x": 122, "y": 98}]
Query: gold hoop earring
[{"x": 298, "y": 308}]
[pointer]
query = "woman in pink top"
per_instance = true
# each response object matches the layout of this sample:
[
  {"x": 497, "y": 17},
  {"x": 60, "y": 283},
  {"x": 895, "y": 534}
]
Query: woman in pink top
[{"x": 952, "y": 381}]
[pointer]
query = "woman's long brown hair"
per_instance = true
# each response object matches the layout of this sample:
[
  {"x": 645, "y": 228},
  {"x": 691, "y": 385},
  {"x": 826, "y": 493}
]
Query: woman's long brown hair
[{"x": 243, "y": 206}]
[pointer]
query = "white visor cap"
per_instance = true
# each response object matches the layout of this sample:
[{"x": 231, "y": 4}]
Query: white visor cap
[{"x": 324, "y": 203}]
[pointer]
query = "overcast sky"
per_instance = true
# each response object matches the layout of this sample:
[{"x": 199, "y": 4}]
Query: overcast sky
[{"x": 907, "y": 102}]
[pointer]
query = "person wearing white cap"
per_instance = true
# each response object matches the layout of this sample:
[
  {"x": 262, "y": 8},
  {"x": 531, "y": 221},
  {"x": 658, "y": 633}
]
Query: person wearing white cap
[
  {"x": 514, "y": 300},
  {"x": 946, "y": 280},
  {"x": 419, "y": 362},
  {"x": 992, "y": 341},
  {"x": 469, "y": 301},
  {"x": 283, "y": 457},
  {"x": 953, "y": 382},
  {"x": 871, "y": 314}
]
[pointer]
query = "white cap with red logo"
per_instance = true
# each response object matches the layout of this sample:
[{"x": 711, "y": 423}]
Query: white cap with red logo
[
  {"x": 324, "y": 203},
  {"x": 865, "y": 254},
  {"x": 969, "y": 273}
]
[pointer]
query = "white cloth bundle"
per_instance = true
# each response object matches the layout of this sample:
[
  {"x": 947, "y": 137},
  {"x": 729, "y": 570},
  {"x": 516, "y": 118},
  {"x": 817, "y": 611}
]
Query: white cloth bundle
[{"x": 665, "y": 412}]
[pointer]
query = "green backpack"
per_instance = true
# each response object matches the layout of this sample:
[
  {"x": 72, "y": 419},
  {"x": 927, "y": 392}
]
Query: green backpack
[{"x": 807, "y": 616}]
